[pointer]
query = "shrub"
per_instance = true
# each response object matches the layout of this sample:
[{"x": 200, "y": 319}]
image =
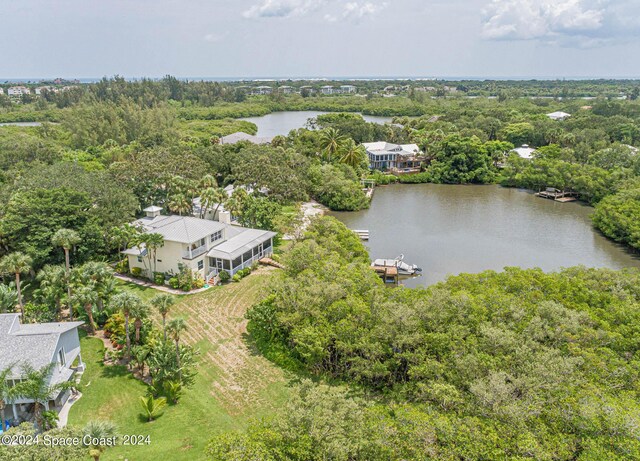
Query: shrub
[
  {"x": 136, "y": 271},
  {"x": 158, "y": 278},
  {"x": 122, "y": 266},
  {"x": 174, "y": 283},
  {"x": 237, "y": 278},
  {"x": 198, "y": 283},
  {"x": 151, "y": 407},
  {"x": 186, "y": 286},
  {"x": 224, "y": 276},
  {"x": 114, "y": 328}
]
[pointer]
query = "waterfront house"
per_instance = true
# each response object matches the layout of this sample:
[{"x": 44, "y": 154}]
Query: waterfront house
[
  {"x": 240, "y": 136},
  {"x": 285, "y": 89},
  {"x": 38, "y": 345},
  {"x": 524, "y": 151},
  {"x": 348, "y": 89},
  {"x": 263, "y": 89},
  {"x": 558, "y": 115},
  {"x": 205, "y": 246},
  {"x": 395, "y": 158}
]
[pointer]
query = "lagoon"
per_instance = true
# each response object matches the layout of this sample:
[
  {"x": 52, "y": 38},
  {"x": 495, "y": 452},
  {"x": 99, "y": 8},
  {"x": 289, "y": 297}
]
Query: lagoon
[
  {"x": 281, "y": 123},
  {"x": 450, "y": 229}
]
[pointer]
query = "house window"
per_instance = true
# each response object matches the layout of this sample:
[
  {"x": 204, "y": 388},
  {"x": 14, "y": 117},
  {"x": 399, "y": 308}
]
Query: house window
[
  {"x": 139, "y": 259},
  {"x": 61, "y": 358},
  {"x": 159, "y": 260},
  {"x": 216, "y": 236},
  {"x": 200, "y": 265}
]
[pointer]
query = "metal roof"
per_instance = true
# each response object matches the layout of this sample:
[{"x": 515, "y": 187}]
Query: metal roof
[
  {"x": 182, "y": 229},
  {"x": 241, "y": 243}
]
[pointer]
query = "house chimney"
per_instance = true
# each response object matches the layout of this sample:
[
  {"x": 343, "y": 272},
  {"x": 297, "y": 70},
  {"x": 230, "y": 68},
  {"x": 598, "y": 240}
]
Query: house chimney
[{"x": 153, "y": 211}]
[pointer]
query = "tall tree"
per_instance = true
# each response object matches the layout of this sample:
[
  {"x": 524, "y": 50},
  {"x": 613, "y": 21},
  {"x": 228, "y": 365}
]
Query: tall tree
[
  {"x": 67, "y": 239},
  {"x": 175, "y": 328},
  {"x": 52, "y": 286},
  {"x": 126, "y": 303},
  {"x": 7, "y": 392},
  {"x": 16, "y": 264},
  {"x": 331, "y": 142},
  {"x": 86, "y": 296},
  {"x": 353, "y": 154},
  {"x": 163, "y": 303}
]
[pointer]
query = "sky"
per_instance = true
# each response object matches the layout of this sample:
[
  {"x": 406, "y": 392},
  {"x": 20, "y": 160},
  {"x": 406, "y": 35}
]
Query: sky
[{"x": 319, "y": 38}]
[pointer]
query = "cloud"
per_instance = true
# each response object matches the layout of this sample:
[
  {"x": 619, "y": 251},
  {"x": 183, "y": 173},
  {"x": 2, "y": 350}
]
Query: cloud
[
  {"x": 350, "y": 11},
  {"x": 283, "y": 8},
  {"x": 357, "y": 11},
  {"x": 566, "y": 22}
]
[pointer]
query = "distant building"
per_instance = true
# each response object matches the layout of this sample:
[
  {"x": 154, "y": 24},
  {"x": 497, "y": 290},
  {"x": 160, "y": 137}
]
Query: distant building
[
  {"x": 262, "y": 90},
  {"x": 285, "y": 89},
  {"x": 348, "y": 89},
  {"x": 18, "y": 91},
  {"x": 1, "y": 90},
  {"x": 524, "y": 151},
  {"x": 558, "y": 115},
  {"x": 240, "y": 136},
  {"x": 327, "y": 89},
  {"x": 396, "y": 158}
]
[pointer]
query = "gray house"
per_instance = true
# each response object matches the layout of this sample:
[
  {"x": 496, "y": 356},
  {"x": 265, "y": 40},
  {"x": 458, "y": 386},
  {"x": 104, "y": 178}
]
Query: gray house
[{"x": 38, "y": 345}]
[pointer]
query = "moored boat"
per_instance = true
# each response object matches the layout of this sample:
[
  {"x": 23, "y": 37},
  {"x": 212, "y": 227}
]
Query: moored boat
[{"x": 402, "y": 267}]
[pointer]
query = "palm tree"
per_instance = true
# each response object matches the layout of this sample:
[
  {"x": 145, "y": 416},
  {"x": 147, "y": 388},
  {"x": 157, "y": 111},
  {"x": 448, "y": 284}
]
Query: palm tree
[
  {"x": 208, "y": 197},
  {"x": 99, "y": 276},
  {"x": 16, "y": 263},
  {"x": 98, "y": 430},
  {"x": 331, "y": 141},
  {"x": 124, "y": 236},
  {"x": 235, "y": 203},
  {"x": 67, "y": 239},
  {"x": 7, "y": 393},
  {"x": 208, "y": 181},
  {"x": 8, "y": 299},
  {"x": 152, "y": 242},
  {"x": 175, "y": 328},
  {"x": 35, "y": 385},
  {"x": 179, "y": 203},
  {"x": 163, "y": 303},
  {"x": 139, "y": 312},
  {"x": 126, "y": 302},
  {"x": 52, "y": 285},
  {"x": 87, "y": 297},
  {"x": 353, "y": 154},
  {"x": 152, "y": 407}
]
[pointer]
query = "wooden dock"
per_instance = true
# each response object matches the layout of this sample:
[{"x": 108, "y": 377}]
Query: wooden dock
[
  {"x": 363, "y": 234},
  {"x": 387, "y": 274},
  {"x": 557, "y": 195}
]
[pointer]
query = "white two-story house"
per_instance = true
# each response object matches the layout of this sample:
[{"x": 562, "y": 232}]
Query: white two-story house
[
  {"x": 205, "y": 246},
  {"x": 39, "y": 345}
]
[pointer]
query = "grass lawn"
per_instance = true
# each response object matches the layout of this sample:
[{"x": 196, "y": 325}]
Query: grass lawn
[{"x": 234, "y": 383}]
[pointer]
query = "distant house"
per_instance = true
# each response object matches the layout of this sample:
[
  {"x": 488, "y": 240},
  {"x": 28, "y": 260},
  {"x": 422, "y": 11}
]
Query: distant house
[
  {"x": 396, "y": 158},
  {"x": 1, "y": 90},
  {"x": 18, "y": 91},
  {"x": 524, "y": 151},
  {"x": 308, "y": 88},
  {"x": 348, "y": 89},
  {"x": 263, "y": 89},
  {"x": 240, "y": 136},
  {"x": 558, "y": 115},
  {"x": 206, "y": 247},
  {"x": 285, "y": 89},
  {"x": 38, "y": 345},
  {"x": 327, "y": 89}
]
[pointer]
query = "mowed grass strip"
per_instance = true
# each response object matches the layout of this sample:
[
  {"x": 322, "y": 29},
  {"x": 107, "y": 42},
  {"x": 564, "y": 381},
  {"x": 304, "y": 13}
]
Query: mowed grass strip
[{"x": 234, "y": 384}]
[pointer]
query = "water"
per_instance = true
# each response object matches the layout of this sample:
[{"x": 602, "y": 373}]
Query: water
[
  {"x": 448, "y": 229},
  {"x": 281, "y": 123}
]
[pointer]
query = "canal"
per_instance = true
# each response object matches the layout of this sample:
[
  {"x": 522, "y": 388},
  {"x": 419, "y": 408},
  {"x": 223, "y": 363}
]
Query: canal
[{"x": 450, "y": 229}]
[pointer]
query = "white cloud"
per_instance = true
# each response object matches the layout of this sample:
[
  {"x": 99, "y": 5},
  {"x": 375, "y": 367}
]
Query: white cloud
[
  {"x": 357, "y": 11},
  {"x": 213, "y": 38},
  {"x": 568, "y": 22},
  {"x": 351, "y": 11},
  {"x": 283, "y": 8}
]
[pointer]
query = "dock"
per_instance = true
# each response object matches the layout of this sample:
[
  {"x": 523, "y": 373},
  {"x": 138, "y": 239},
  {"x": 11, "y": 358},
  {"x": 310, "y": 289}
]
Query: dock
[
  {"x": 363, "y": 234},
  {"x": 388, "y": 275},
  {"x": 557, "y": 195}
]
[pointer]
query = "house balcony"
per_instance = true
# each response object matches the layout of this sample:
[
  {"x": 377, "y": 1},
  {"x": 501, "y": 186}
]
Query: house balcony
[{"x": 192, "y": 254}]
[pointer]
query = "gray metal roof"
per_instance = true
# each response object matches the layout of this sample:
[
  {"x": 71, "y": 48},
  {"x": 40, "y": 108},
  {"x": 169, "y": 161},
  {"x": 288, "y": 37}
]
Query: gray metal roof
[
  {"x": 240, "y": 244},
  {"x": 33, "y": 344},
  {"x": 182, "y": 229}
]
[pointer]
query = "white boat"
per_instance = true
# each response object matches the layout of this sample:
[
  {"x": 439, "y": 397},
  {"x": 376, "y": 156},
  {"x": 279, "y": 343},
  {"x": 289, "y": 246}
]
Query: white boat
[{"x": 403, "y": 267}]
